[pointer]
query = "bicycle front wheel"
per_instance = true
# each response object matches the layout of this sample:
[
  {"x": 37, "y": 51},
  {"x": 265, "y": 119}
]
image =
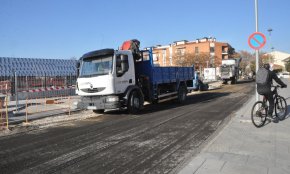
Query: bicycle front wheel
[
  {"x": 259, "y": 114},
  {"x": 280, "y": 107}
]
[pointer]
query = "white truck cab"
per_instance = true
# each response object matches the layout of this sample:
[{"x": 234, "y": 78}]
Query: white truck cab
[{"x": 103, "y": 75}]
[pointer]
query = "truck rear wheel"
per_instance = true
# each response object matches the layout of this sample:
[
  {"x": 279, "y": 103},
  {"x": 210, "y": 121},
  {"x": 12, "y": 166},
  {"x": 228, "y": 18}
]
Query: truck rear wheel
[
  {"x": 182, "y": 91},
  {"x": 99, "y": 111},
  {"x": 233, "y": 80},
  {"x": 135, "y": 102}
]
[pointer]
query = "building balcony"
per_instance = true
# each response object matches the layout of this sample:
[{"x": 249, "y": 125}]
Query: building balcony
[{"x": 225, "y": 52}]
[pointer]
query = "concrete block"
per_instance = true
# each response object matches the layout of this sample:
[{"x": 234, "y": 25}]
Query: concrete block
[
  {"x": 193, "y": 166},
  {"x": 278, "y": 170},
  {"x": 211, "y": 166},
  {"x": 235, "y": 168},
  {"x": 211, "y": 155},
  {"x": 261, "y": 161},
  {"x": 237, "y": 158}
]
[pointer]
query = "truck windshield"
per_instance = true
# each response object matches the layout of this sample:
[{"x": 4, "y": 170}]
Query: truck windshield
[{"x": 96, "y": 66}]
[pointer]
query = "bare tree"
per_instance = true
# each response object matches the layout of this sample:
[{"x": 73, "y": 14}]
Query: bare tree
[{"x": 200, "y": 60}]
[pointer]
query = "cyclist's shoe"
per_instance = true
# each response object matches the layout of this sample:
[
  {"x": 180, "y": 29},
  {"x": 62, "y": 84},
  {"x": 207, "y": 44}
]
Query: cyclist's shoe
[{"x": 275, "y": 119}]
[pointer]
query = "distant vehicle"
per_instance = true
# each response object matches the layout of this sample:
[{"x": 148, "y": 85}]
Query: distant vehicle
[
  {"x": 280, "y": 75},
  {"x": 230, "y": 70},
  {"x": 197, "y": 84},
  {"x": 286, "y": 74}
]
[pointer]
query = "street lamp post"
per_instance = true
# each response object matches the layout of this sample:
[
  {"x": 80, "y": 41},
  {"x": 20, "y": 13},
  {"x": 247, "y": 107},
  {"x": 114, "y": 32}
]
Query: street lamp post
[
  {"x": 257, "y": 51},
  {"x": 270, "y": 30}
]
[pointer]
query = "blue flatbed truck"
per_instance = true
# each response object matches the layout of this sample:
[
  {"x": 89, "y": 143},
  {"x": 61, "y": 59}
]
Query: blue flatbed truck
[{"x": 113, "y": 79}]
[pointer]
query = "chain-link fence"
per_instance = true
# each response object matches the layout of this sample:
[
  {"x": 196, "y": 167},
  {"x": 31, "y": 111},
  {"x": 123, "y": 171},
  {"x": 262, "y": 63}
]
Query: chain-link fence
[
  {"x": 35, "y": 87},
  {"x": 25, "y": 86}
]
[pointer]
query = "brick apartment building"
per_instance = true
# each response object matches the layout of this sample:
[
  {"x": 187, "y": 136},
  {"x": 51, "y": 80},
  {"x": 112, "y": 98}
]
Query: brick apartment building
[{"x": 166, "y": 55}]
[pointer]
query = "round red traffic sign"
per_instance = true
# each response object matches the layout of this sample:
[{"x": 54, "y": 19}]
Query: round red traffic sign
[{"x": 257, "y": 40}]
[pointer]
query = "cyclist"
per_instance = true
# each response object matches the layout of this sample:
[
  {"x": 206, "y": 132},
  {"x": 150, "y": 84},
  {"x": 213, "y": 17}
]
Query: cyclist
[{"x": 265, "y": 89}]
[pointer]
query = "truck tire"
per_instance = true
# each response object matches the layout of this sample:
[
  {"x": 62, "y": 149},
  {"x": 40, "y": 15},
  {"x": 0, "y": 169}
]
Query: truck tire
[
  {"x": 233, "y": 80},
  {"x": 99, "y": 111},
  {"x": 135, "y": 102},
  {"x": 181, "y": 96},
  {"x": 225, "y": 82}
]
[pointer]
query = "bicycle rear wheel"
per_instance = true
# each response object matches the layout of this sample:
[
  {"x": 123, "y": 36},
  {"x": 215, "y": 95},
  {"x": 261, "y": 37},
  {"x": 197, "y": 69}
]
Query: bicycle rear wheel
[
  {"x": 280, "y": 107},
  {"x": 259, "y": 114}
]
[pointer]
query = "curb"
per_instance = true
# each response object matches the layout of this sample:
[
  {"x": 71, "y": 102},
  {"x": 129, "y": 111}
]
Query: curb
[{"x": 41, "y": 117}]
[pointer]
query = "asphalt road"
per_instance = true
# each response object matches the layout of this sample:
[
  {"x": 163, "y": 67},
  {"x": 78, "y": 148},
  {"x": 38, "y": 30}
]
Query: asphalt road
[{"x": 159, "y": 140}]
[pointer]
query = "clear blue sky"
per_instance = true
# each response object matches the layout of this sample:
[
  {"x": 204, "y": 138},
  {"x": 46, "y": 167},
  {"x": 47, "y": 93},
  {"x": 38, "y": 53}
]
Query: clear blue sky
[{"x": 70, "y": 28}]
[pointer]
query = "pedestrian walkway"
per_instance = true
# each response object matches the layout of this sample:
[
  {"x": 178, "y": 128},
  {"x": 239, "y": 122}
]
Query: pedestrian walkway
[{"x": 242, "y": 148}]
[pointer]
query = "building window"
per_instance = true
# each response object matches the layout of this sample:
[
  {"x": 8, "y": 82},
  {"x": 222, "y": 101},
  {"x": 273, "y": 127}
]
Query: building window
[
  {"x": 211, "y": 49},
  {"x": 164, "y": 57},
  {"x": 180, "y": 52},
  {"x": 224, "y": 50},
  {"x": 155, "y": 57}
]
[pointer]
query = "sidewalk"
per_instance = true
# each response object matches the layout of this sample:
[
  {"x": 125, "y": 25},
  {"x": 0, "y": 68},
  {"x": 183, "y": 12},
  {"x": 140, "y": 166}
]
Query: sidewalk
[{"x": 242, "y": 148}]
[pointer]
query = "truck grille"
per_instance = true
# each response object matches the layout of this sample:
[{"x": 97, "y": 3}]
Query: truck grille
[{"x": 93, "y": 90}]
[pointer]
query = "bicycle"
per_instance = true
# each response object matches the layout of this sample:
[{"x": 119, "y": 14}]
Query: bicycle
[{"x": 260, "y": 109}]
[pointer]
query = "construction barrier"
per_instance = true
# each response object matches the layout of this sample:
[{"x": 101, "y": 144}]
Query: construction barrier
[
  {"x": 31, "y": 104},
  {"x": 4, "y": 120},
  {"x": 43, "y": 107}
]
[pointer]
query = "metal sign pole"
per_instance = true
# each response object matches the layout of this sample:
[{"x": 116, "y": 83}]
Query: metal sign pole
[{"x": 257, "y": 51}]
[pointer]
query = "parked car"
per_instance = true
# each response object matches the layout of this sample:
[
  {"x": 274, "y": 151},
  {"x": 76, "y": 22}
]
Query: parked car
[
  {"x": 280, "y": 75},
  {"x": 286, "y": 74}
]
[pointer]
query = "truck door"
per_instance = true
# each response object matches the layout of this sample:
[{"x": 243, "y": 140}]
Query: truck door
[{"x": 125, "y": 75}]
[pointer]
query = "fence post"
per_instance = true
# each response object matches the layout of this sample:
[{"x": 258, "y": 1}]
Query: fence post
[
  {"x": 26, "y": 82},
  {"x": 1, "y": 120},
  {"x": 6, "y": 107},
  {"x": 7, "y": 119},
  {"x": 69, "y": 105},
  {"x": 16, "y": 91},
  {"x": 36, "y": 105},
  {"x": 26, "y": 117},
  {"x": 44, "y": 80},
  {"x": 45, "y": 107},
  {"x": 69, "y": 79}
]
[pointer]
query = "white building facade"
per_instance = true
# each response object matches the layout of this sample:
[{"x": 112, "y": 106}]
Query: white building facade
[{"x": 279, "y": 58}]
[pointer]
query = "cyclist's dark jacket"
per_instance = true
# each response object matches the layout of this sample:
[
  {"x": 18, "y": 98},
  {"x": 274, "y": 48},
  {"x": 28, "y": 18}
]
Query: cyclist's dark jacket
[{"x": 266, "y": 89}]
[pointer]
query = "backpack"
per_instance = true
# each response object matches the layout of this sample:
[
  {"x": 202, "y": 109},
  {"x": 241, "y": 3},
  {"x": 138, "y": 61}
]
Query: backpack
[{"x": 263, "y": 76}]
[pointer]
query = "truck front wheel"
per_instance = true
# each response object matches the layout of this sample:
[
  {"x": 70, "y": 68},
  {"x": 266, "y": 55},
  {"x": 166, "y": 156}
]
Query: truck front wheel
[
  {"x": 135, "y": 102},
  {"x": 233, "y": 80}
]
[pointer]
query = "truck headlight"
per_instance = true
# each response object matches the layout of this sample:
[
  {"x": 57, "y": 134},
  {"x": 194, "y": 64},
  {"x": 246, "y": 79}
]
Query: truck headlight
[{"x": 112, "y": 99}]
